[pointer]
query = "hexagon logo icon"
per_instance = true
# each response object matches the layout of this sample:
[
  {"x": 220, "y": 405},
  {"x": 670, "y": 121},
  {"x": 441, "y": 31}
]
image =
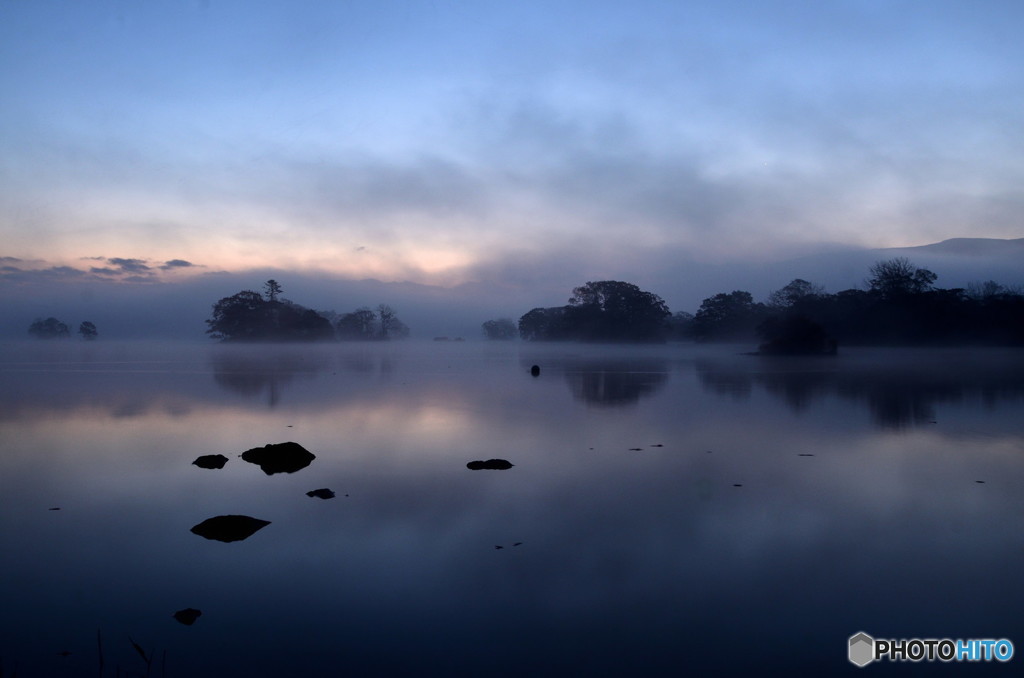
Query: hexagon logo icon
[{"x": 862, "y": 649}]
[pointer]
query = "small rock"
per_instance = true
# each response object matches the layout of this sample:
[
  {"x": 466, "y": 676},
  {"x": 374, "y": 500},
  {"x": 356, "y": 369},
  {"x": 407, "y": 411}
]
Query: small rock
[
  {"x": 535, "y": 370},
  {"x": 490, "y": 464},
  {"x": 323, "y": 493},
  {"x": 211, "y": 461},
  {"x": 188, "y": 616}
]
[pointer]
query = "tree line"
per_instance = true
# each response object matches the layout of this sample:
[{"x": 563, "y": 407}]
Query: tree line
[
  {"x": 51, "y": 328},
  {"x": 900, "y": 305},
  {"x": 266, "y": 316}
]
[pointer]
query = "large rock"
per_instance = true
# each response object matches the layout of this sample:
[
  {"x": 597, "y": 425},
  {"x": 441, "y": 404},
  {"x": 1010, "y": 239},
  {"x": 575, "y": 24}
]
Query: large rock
[
  {"x": 229, "y": 528},
  {"x": 279, "y": 457}
]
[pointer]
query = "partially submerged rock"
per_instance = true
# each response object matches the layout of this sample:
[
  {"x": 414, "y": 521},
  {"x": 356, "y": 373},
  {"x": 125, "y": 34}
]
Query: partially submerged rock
[
  {"x": 323, "y": 493},
  {"x": 490, "y": 465},
  {"x": 188, "y": 616},
  {"x": 229, "y": 528},
  {"x": 211, "y": 461},
  {"x": 279, "y": 457}
]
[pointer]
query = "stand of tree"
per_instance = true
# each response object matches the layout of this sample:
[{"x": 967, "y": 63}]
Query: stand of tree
[
  {"x": 501, "y": 328},
  {"x": 251, "y": 316},
  {"x": 364, "y": 324},
  {"x": 900, "y": 306},
  {"x": 51, "y": 328},
  {"x": 607, "y": 310}
]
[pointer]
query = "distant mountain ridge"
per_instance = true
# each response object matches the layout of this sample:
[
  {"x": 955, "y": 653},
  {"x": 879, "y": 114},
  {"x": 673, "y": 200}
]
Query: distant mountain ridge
[{"x": 975, "y": 247}]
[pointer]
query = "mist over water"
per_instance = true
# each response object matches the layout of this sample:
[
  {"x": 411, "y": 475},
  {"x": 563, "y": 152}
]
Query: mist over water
[{"x": 666, "y": 505}]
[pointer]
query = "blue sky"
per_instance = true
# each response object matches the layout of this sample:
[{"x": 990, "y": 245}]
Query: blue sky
[{"x": 445, "y": 142}]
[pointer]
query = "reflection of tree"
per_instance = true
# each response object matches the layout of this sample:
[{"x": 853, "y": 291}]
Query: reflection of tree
[
  {"x": 897, "y": 395},
  {"x": 617, "y": 382},
  {"x": 722, "y": 380},
  {"x": 251, "y": 374}
]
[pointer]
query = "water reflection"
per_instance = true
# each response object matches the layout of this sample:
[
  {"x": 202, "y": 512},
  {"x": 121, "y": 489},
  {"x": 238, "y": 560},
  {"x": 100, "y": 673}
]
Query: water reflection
[
  {"x": 610, "y": 381},
  {"x": 614, "y": 562},
  {"x": 900, "y": 389},
  {"x": 251, "y": 371}
]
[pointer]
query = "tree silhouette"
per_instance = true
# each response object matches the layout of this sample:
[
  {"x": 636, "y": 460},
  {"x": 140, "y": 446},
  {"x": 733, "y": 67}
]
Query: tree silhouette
[
  {"x": 247, "y": 316},
  {"x": 610, "y": 310},
  {"x": 360, "y": 324},
  {"x": 898, "y": 277},
  {"x": 795, "y": 292},
  {"x": 606, "y": 310},
  {"x": 364, "y": 324},
  {"x": 727, "y": 317},
  {"x": 544, "y": 324},
  {"x": 272, "y": 290},
  {"x": 502, "y": 328},
  {"x": 88, "y": 330},
  {"x": 241, "y": 316},
  {"x": 51, "y": 328},
  {"x": 386, "y": 314}
]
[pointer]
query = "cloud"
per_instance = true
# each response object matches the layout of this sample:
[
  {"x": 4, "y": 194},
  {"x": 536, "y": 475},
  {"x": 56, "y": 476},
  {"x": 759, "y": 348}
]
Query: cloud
[
  {"x": 130, "y": 265},
  {"x": 118, "y": 270},
  {"x": 176, "y": 264}
]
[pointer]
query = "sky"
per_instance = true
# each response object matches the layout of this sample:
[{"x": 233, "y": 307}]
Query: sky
[{"x": 526, "y": 146}]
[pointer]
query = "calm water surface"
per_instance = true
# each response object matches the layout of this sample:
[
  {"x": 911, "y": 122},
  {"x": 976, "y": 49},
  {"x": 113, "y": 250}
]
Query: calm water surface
[{"x": 676, "y": 508}]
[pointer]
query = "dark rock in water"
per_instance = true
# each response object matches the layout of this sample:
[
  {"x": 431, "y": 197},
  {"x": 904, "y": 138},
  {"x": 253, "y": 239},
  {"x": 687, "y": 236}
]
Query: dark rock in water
[
  {"x": 229, "y": 528},
  {"x": 211, "y": 461},
  {"x": 280, "y": 457},
  {"x": 188, "y": 616},
  {"x": 323, "y": 493},
  {"x": 535, "y": 370},
  {"x": 490, "y": 464},
  {"x": 795, "y": 335}
]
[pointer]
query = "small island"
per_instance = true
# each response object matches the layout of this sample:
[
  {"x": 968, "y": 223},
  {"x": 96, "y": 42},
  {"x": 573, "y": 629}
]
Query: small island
[
  {"x": 250, "y": 316},
  {"x": 898, "y": 306}
]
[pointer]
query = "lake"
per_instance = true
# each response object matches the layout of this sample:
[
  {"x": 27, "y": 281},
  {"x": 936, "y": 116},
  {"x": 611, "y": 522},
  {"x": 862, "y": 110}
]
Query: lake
[{"x": 670, "y": 509}]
